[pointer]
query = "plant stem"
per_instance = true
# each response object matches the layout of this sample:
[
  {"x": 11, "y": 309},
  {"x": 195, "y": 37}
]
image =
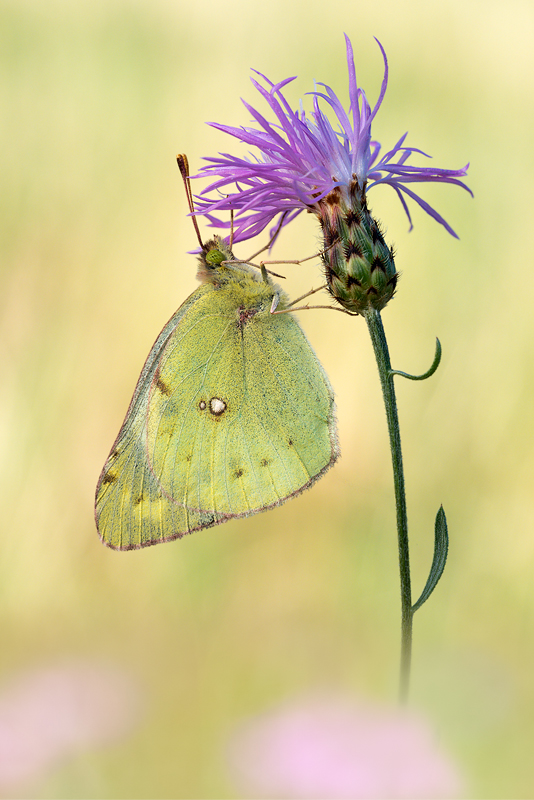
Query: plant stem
[{"x": 378, "y": 338}]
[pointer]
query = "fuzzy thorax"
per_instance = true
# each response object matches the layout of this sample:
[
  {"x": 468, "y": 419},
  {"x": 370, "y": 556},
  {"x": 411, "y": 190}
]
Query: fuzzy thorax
[{"x": 245, "y": 286}]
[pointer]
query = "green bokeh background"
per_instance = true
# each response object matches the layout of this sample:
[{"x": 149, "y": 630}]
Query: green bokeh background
[{"x": 97, "y": 98}]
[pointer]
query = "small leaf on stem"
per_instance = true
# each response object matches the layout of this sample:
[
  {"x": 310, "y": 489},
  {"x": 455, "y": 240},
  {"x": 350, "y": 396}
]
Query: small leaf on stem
[
  {"x": 441, "y": 548},
  {"x": 428, "y": 373}
]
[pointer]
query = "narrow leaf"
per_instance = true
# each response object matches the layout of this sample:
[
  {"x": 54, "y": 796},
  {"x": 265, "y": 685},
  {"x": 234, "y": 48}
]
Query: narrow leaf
[
  {"x": 441, "y": 548},
  {"x": 428, "y": 373}
]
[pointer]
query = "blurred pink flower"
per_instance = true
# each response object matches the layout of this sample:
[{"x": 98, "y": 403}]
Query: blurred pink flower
[
  {"x": 335, "y": 747},
  {"x": 50, "y": 713}
]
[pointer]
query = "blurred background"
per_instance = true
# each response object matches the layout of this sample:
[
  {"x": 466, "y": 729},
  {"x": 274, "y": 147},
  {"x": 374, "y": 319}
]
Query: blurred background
[{"x": 187, "y": 641}]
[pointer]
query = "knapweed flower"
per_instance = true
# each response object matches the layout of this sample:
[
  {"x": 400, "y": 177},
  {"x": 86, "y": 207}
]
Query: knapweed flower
[
  {"x": 50, "y": 713},
  {"x": 305, "y": 164},
  {"x": 338, "y": 746}
]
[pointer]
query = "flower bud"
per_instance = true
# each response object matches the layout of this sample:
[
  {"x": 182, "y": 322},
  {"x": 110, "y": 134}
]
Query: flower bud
[{"x": 360, "y": 268}]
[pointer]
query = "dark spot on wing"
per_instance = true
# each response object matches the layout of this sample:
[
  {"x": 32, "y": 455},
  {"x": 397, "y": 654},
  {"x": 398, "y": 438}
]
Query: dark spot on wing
[
  {"x": 162, "y": 386},
  {"x": 264, "y": 462},
  {"x": 238, "y": 472},
  {"x": 139, "y": 499},
  {"x": 207, "y": 520},
  {"x": 109, "y": 477}
]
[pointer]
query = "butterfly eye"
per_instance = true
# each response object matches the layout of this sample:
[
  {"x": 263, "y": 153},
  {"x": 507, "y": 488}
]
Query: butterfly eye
[{"x": 214, "y": 257}]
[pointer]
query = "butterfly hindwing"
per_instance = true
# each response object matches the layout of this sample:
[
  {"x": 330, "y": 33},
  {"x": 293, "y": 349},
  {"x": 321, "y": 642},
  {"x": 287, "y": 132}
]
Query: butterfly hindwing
[{"x": 131, "y": 509}]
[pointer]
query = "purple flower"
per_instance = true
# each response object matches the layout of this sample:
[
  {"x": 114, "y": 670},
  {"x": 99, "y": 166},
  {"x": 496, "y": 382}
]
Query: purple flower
[
  {"x": 337, "y": 746},
  {"x": 50, "y": 713},
  {"x": 303, "y": 160}
]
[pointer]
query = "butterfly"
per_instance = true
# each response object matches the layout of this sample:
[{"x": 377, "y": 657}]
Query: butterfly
[{"x": 232, "y": 414}]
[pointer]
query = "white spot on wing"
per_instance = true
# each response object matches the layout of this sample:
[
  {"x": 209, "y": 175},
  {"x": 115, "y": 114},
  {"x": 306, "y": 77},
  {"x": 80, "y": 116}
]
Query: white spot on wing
[{"x": 217, "y": 406}]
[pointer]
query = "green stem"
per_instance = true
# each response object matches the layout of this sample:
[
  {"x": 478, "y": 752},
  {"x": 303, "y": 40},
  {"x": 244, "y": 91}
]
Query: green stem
[{"x": 378, "y": 338}]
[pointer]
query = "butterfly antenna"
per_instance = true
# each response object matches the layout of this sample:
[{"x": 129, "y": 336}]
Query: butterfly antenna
[
  {"x": 183, "y": 165},
  {"x": 231, "y": 228}
]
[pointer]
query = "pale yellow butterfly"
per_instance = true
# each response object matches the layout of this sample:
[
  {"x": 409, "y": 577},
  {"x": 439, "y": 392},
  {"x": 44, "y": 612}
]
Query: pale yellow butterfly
[{"x": 232, "y": 414}]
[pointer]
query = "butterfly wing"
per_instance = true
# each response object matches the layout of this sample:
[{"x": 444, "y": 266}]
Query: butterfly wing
[
  {"x": 131, "y": 510},
  {"x": 232, "y": 414},
  {"x": 249, "y": 421}
]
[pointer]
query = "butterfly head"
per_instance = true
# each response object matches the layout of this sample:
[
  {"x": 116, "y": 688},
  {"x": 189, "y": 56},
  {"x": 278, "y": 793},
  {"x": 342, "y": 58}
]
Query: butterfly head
[
  {"x": 214, "y": 253},
  {"x": 218, "y": 265}
]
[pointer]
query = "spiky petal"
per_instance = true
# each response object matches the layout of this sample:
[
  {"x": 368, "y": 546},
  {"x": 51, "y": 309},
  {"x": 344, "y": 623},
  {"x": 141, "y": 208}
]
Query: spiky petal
[{"x": 306, "y": 164}]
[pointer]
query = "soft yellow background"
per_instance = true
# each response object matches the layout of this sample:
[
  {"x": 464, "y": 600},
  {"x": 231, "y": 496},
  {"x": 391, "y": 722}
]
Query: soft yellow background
[{"x": 97, "y": 98}]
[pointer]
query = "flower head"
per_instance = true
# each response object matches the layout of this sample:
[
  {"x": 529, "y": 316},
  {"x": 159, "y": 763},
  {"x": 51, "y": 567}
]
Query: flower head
[
  {"x": 305, "y": 164},
  {"x": 50, "y": 713},
  {"x": 303, "y": 159},
  {"x": 328, "y": 745}
]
